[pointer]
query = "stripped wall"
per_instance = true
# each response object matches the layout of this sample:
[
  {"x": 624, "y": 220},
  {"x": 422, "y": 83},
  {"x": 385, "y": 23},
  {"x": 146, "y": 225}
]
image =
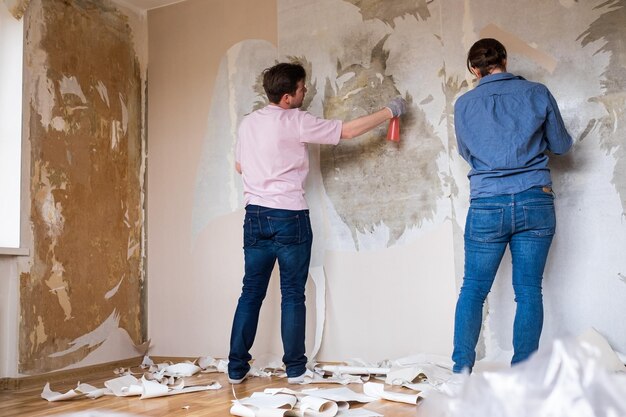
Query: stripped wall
[{"x": 83, "y": 284}]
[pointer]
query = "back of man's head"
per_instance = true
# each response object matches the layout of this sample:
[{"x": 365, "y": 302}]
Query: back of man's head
[{"x": 282, "y": 79}]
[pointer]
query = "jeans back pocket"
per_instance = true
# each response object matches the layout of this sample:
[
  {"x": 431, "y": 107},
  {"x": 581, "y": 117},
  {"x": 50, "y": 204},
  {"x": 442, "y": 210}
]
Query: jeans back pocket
[
  {"x": 285, "y": 230},
  {"x": 485, "y": 224},
  {"x": 540, "y": 220}
]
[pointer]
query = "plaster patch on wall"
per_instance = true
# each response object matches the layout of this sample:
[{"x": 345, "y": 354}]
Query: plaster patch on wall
[
  {"x": 70, "y": 85},
  {"x": 126, "y": 218},
  {"x": 51, "y": 211},
  {"x": 389, "y": 11},
  {"x": 102, "y": 90},
  {"x": 360, "y": 173},
  {"x": 59, "y": 286},
  {"x": 113, "y": 290},
  {"x": 372, "y": 197},
  {"x": 58, "y": 124},
  {"x": 124, "y": 114},
  {"x": 133, "y": 248},
  {"x": 116, "y": 133},
  {"x": 38, "y": 335},
  {"x": 93, "y": 338}
]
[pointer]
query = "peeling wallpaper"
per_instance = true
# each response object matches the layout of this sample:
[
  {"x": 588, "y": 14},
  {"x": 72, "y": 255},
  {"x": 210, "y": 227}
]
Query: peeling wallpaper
[
  {"x": 84, "y": 122},
  {"x": 371, "y": 197}
]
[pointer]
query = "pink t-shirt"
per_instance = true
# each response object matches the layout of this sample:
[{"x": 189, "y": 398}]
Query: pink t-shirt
[{"x": 272, "y": 151}]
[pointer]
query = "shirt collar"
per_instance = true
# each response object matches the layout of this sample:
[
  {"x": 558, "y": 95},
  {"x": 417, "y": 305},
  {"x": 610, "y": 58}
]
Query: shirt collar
[{"x": 500, "y": 76}]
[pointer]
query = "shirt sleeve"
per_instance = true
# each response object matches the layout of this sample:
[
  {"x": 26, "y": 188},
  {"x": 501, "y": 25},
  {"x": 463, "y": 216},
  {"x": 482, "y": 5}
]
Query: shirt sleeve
[
  {"x": 559, "y": 140},
  {"x": 316, "y": 130},
  {"x": 458, "y": 130},
  {"x": 238, "y": 147}
]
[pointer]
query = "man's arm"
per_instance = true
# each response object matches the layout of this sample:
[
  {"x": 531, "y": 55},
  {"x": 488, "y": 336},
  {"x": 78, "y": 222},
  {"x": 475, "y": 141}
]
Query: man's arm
[
  {"x": 238, "y": 167},
  {"x": 357, "y": 127}
]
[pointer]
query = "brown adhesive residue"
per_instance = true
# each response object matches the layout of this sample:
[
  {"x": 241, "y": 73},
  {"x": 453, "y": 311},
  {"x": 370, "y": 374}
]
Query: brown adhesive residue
[{"x": 85, "y": 136}]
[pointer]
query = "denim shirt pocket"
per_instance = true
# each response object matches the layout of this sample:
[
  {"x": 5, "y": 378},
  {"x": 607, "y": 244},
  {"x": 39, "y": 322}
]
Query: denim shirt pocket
[{"x": 485, "y": 224}]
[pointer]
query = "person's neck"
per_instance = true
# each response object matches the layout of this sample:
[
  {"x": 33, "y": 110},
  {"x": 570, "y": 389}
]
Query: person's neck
[
  {"x": 497, "y": 71},
  {"x": 282, "y": 105}
]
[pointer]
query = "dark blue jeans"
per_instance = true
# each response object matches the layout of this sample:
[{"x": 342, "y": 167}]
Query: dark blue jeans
[
  {"x": 270, "y": 235},
  {"x": 526, "y": 222}
]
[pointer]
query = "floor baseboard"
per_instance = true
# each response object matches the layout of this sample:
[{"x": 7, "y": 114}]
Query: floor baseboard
[{"x": 28, "y": 381}]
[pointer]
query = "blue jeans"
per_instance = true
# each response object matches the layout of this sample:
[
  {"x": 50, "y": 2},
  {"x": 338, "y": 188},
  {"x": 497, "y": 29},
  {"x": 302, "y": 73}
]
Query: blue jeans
[
  {"x": 526, "y": 222},
  {"x": 270, "y": 235}
]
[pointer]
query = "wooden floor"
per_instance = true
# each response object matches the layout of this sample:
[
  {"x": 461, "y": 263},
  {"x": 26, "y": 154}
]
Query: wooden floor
[{"x": 28, "y": 402}]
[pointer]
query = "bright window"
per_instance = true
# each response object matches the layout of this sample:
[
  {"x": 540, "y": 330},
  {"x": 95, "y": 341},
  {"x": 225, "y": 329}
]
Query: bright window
[{"x": 11, "y": 47}]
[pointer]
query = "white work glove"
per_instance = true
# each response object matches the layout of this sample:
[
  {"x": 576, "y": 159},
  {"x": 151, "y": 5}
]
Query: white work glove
[{"x": 397, "y": 106}]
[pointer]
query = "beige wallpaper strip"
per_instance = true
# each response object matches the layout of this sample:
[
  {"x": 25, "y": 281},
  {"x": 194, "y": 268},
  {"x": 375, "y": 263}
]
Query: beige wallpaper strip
[{"x": 517, "y": 45}]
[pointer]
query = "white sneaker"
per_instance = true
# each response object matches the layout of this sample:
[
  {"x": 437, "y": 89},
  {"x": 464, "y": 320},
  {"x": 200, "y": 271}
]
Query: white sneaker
[
  {"x": 237, "y": 381},
  {"x": 298, "y": 379}
]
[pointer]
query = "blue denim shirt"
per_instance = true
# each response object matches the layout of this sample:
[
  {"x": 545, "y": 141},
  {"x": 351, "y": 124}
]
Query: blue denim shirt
[{"x": 503, "y": 128}]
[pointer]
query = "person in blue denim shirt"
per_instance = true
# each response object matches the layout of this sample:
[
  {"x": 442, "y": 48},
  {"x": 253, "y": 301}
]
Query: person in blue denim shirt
[{"x": 504, "y": 126}]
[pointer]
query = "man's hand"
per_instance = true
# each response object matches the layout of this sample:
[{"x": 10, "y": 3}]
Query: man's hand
[{"x": 397, "y": 106}]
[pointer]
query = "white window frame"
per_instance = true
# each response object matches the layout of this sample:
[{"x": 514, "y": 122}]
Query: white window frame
[{"x": 11, "y": 56}]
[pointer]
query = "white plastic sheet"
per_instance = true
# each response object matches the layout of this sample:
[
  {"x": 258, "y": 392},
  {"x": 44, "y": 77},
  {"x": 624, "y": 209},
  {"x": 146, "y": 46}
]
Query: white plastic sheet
[{"x": 570, "y": 379}]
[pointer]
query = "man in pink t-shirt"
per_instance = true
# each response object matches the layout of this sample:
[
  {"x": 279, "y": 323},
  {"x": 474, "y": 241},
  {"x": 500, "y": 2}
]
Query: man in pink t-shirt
[{"x": 272, "y": 157}]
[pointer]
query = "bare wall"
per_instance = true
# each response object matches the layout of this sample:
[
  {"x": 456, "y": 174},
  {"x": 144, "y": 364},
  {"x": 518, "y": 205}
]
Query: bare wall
[
  {"x": 83, "y": 121},
  {"x": 187, "y": 42}
]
